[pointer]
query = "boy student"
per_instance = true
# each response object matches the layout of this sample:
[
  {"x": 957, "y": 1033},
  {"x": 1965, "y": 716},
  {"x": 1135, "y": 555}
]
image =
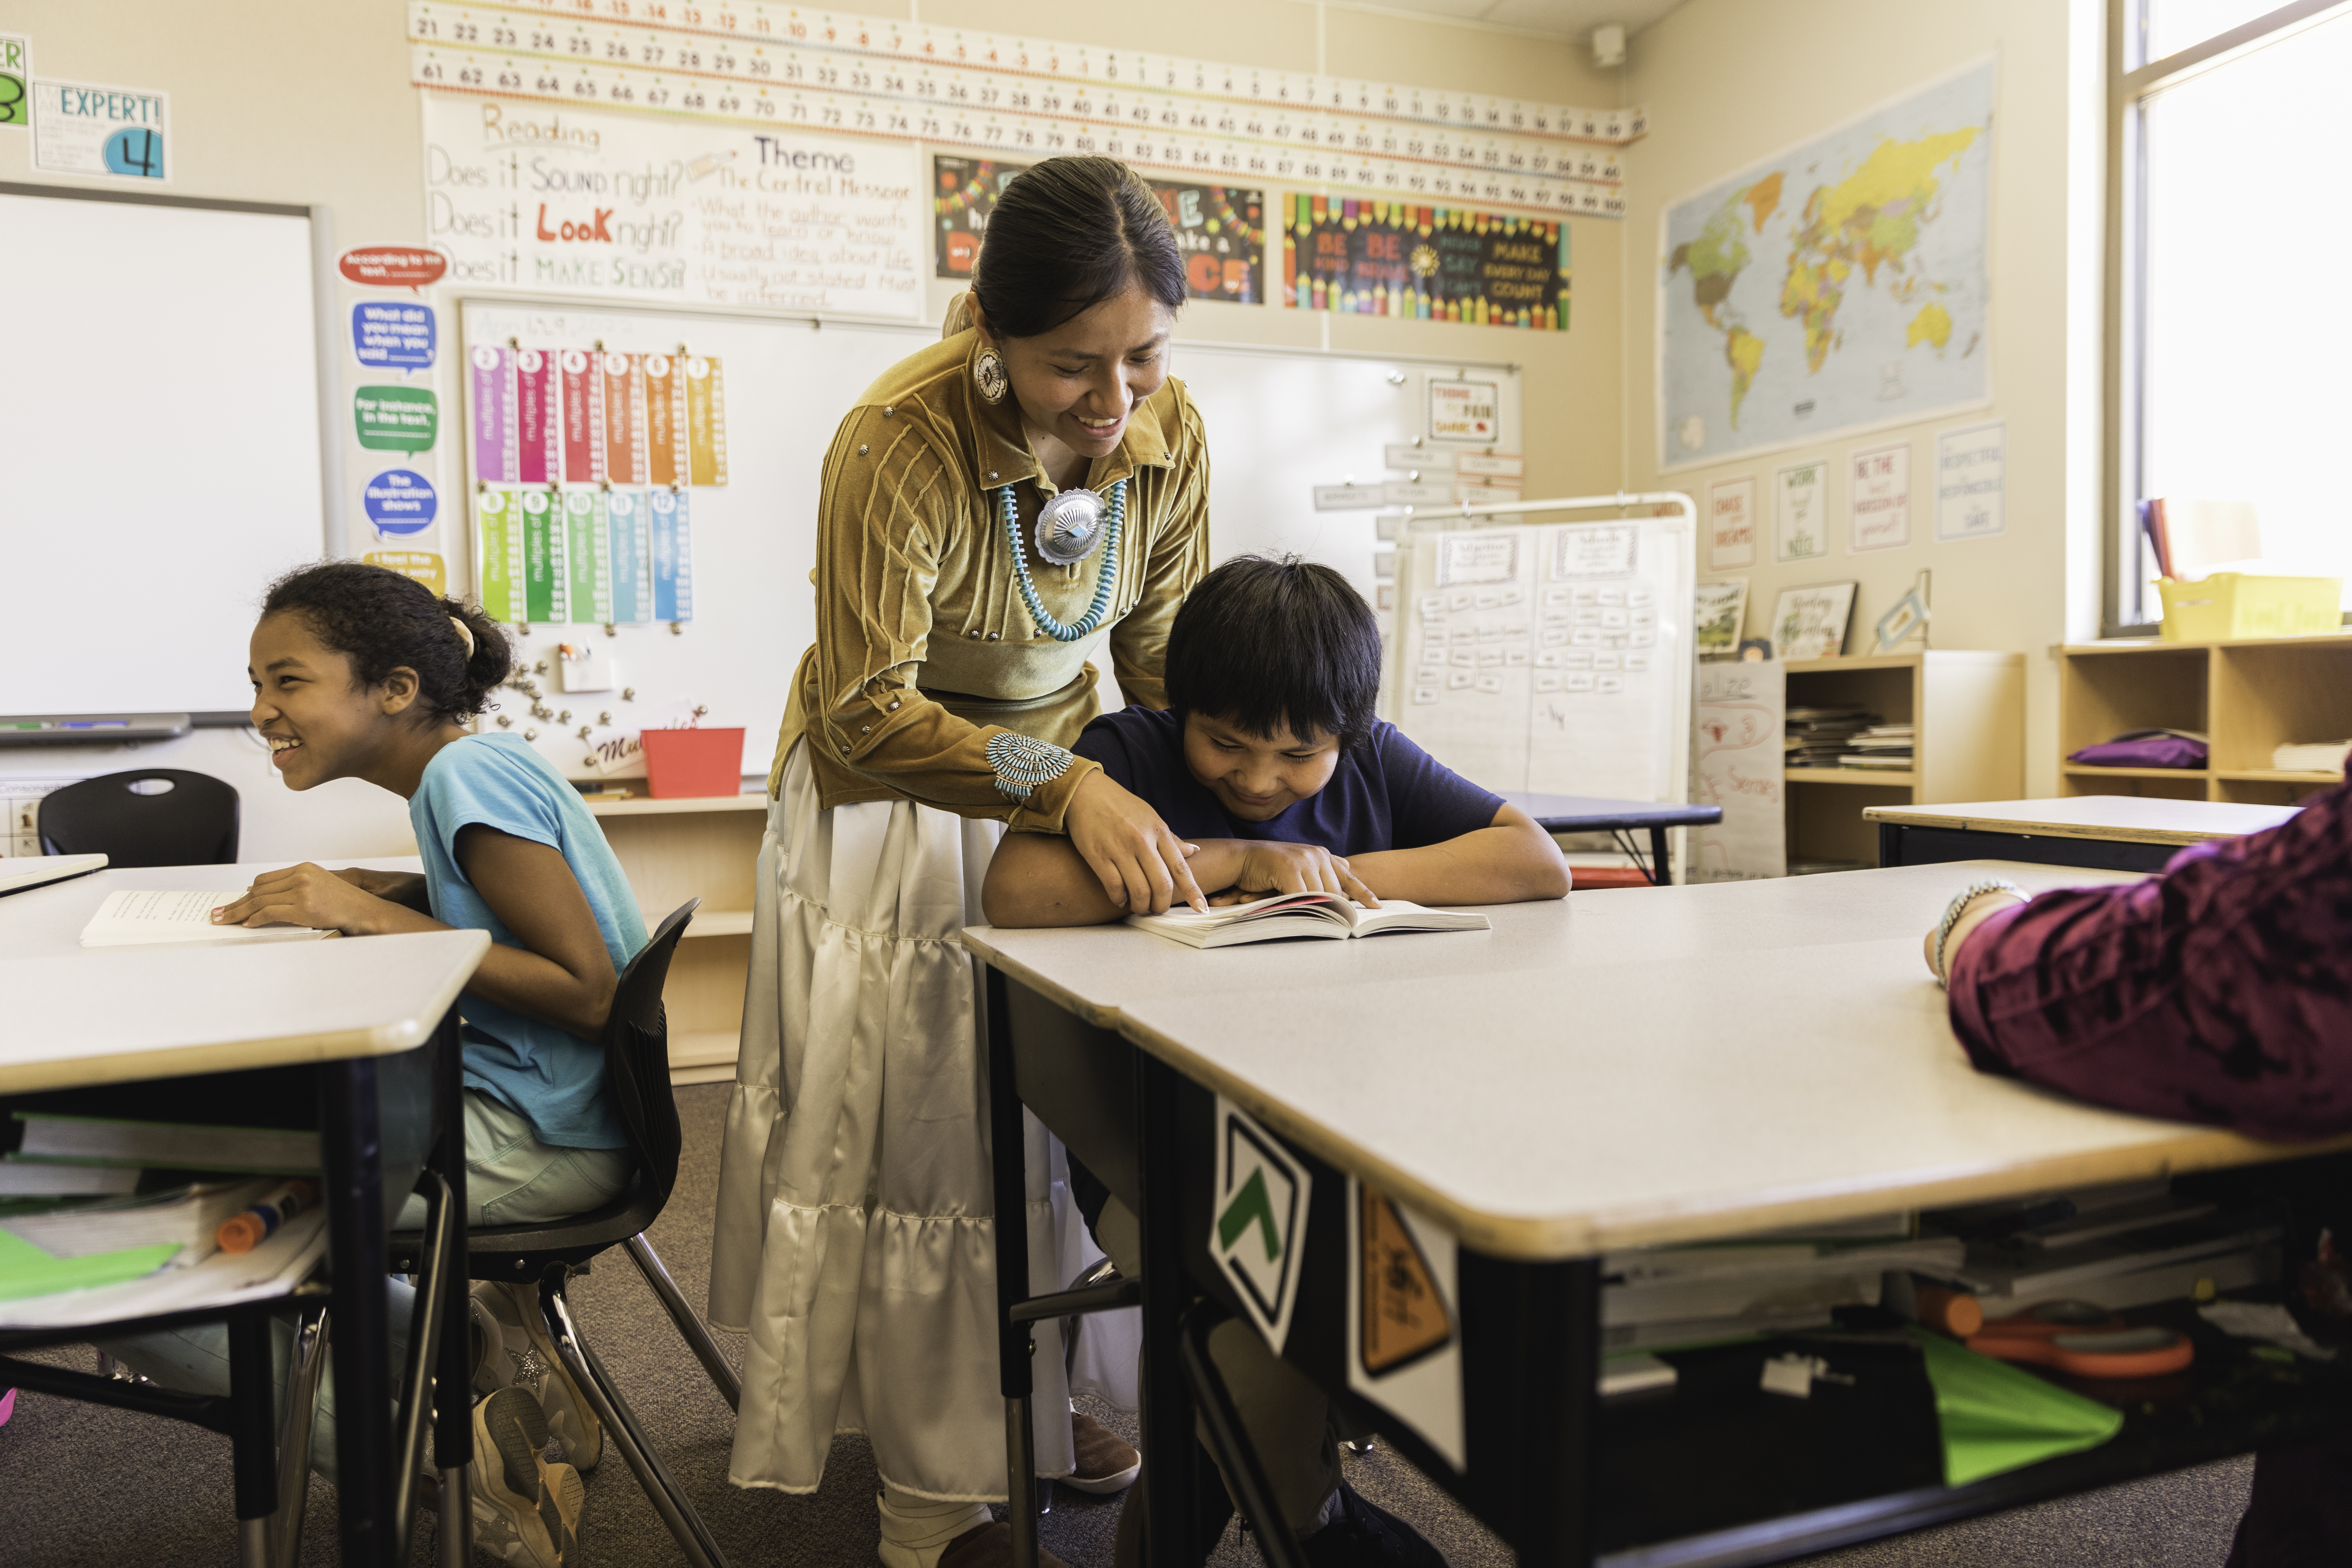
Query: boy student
[{"x": 1270, "y": 765}]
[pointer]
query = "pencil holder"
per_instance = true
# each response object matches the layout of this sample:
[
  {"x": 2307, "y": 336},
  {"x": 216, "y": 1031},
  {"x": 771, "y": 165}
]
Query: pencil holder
[{"x": 680, "y": 763}]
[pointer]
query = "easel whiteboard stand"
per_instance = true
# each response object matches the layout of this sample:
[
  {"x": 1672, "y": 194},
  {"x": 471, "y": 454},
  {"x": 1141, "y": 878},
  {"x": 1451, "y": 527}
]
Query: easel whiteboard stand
[{"x": 1558, "y": 747}]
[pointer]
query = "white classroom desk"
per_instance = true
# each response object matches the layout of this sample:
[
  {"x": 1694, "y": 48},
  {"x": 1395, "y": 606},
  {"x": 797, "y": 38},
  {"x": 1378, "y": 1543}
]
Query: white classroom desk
[
  {"x": 1628, "y": 1067},
  {"x": 76, "y": 1017},
  {"x": 2119, "y": 832}
]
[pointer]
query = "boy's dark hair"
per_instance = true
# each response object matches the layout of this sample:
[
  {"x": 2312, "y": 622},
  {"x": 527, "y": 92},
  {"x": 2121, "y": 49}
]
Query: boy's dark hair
[
  {"x": 1066, "y": 235},
  {"x": 380, "y": 620},
  {"x": 1268, "y": 643}
]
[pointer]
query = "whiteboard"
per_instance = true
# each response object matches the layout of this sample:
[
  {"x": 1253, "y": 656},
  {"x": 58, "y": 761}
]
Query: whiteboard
[
  {"x": 1278, "y": 422},
  {"x": 162, "y": 414},
  {"x": 1554, "y": 658}
]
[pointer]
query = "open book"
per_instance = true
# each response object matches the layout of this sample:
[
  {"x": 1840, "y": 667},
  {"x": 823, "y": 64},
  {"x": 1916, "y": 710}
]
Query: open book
[
  {"x": 134, "y": 918},
  {"x": 1301, "y": 914}
]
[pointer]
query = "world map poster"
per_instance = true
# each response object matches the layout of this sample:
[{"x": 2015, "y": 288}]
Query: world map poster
[{"x": 1841, "y": 286}]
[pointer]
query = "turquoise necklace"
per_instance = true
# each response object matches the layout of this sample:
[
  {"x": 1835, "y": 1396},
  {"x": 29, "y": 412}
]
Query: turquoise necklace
[{"x": 1065, "y": 543}]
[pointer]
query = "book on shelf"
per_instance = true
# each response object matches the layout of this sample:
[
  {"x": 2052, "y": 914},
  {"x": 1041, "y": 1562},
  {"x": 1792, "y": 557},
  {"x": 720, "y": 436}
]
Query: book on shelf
[
  {"x": 1301, "y": 915},
  {"x": 98, "y": 1141},
  {"x": 2321, "y": 757},
  {"x": 186, "y": 1219},
  {"x": 135, "y": 918},
  {"x": 2023, "y": 1271},
  {"x": 43, "y": 1178},
  {"x": 1876, "y": 760},
  {"x": 1761, "y": 1280}
]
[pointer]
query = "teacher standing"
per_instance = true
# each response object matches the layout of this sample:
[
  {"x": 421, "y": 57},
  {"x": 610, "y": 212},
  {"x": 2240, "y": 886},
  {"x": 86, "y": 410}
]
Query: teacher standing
[{"x": 995, "y": 508}]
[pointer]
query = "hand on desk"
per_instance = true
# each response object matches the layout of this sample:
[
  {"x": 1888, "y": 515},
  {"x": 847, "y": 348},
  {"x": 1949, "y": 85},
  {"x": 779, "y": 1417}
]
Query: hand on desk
[
  {"x": 1972, "y": 914},
  {"x": 1241, "y": 870},
  {"x": 310, "y": 895}
]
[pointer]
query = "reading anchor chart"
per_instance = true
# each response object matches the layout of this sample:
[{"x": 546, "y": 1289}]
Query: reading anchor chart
[{"x": 563, "y": 201}]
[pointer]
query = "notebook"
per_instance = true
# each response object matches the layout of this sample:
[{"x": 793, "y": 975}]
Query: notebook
[
  {"x": 1301, "y": 914},
  {"x": 187, "y": 1219},
  {"x": 33, "y": 870},
  {"x": 131, "y": 919},
  {"x": 96, "y": 1140}
]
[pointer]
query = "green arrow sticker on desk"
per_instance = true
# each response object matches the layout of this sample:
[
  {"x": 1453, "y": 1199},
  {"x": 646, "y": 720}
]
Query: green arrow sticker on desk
[{"x": 1261, "y": 1205}]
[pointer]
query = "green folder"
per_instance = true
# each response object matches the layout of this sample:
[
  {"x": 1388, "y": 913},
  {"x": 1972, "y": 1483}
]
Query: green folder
[
  {"x": 27, "y": 1271},
  {"x": 1996, "y": 1417}
]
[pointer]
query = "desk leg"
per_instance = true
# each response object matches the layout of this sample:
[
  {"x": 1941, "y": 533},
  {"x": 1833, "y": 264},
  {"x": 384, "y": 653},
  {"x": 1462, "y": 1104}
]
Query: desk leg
[
  {"x": 453, "y": 1393},
  {"x": 352, "y": 1152},
  {"x": 254, "y": 1452},
  {"x": 1662, "y": 859},
  {"x": 1170, "y": 1480},
  {"x": 1006, "y": 1146},
  {"x": 1890, "y": 844},
  {"x": 1560, "y": 1330}
]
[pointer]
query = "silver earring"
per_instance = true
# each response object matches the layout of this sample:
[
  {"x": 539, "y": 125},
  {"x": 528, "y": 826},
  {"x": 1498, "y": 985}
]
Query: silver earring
[{"x": 988, "y": 375}]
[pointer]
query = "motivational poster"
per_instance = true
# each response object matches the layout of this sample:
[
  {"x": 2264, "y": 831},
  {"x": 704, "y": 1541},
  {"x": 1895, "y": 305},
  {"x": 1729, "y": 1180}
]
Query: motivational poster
[
  {"x": 1971, "y": 466},
  {"x": 1800, "y": 513},
  {"x": 1731, "y": 523},
  {"x": 1430, "y": 264},
  {"x": 1878, "y": 497},
  {"x": 109, "y": 132}
]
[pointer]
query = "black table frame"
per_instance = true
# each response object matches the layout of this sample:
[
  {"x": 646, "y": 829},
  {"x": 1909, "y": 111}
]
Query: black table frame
[
  {"x": 1918, "y": 844},
  {"x": 1657, "y": 820},
  {"x": 376, "y": 1461},
  {"x": 1531, "y": 1334}
]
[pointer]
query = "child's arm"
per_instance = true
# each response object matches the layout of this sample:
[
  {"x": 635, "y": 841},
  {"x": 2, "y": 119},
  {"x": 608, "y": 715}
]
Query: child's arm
[
  {"x": 1039, "y": 879},
  {"x": 561, "y": 974},
  {"x": 407, "y": 888},
  {"x": 1511, "y": 860}
]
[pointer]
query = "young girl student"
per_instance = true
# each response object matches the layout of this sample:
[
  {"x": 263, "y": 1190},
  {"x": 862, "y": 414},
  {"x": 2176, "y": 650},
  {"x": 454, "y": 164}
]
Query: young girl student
[{"x": 359, "y": 672}]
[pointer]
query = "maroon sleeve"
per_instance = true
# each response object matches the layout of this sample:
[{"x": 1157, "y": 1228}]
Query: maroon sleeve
[{"x": 2221, "y": 991}]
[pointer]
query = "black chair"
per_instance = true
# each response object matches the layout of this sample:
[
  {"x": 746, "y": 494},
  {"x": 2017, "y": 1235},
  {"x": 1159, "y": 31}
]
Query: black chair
[
  {"x": 150, "y": 816},
  {"x": 637, "y": 1073}
]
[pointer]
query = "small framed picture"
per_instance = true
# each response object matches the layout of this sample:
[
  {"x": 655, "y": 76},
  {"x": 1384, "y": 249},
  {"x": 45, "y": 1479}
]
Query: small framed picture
[
  {"x": 1721, "y": 607},
  {"x": 1810, "y": 623}
]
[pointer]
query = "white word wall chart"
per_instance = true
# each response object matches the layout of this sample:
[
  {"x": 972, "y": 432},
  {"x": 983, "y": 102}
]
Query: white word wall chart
[
  {"x": 824, "y": 71},
  {"x": 528, "y": 195},
  {"x": 1553, "y": 659}
]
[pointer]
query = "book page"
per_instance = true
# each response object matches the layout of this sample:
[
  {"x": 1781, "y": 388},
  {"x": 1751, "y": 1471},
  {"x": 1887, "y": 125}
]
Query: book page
[{"x": 132, "y": 917}]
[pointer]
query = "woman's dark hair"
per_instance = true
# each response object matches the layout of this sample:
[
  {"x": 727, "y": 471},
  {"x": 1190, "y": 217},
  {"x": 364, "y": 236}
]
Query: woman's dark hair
[
  {"x": 1066, "y": 235},
  {"x": 380, "y": 620},
  {"x": 1268, "y": 643}
]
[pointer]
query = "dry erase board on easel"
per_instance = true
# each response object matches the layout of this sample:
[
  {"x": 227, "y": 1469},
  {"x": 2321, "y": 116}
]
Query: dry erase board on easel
[
  {"x": 1278, "y": 422},
  {"x": 1555, "y": 658}
]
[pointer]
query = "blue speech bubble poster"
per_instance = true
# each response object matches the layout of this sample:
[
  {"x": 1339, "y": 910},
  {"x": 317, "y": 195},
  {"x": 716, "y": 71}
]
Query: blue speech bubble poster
[
  {"x": 393, "y": 335},
  {"x": 400, "y": 501}
]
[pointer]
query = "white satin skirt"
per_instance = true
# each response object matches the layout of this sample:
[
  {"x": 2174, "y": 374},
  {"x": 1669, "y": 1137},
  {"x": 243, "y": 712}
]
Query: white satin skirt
[{"x": 853, "y": 1240}]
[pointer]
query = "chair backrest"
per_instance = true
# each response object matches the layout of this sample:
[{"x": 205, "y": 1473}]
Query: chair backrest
[
  {"x": 150, "y": 816},
  {"x": 637, "y": 1052}
]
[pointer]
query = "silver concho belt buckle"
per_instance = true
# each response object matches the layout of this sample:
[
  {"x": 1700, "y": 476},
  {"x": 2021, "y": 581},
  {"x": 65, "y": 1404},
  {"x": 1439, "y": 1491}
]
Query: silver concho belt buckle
[{"x": 1070, "y": 527}]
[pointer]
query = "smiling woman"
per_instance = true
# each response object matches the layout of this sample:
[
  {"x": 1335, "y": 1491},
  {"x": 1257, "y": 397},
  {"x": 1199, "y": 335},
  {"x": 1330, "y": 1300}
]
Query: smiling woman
[{"x": 994, "y": 510}]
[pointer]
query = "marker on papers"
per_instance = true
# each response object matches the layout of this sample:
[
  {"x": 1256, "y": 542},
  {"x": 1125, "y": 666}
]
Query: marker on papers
[{"x": 259, "y": 1223}]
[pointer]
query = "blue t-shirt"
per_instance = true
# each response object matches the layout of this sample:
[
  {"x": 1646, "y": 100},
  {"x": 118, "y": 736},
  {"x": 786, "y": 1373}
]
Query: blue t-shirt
[
  {"x": 1386, "y": 793},
  {"x": 555, "y": 1079}
]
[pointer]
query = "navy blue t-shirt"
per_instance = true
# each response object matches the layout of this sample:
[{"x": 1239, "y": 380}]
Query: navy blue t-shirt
[{"x": 1386, "y": 793}]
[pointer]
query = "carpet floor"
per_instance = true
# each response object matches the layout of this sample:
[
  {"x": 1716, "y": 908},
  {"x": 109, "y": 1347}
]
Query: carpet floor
[{"x": 82, "y": 1487}]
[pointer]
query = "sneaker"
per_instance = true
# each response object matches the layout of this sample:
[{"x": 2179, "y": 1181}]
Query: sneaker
[
  {"x": 526, "y": 1506},
  {"x": 1106, "y": 1462},
  {"x": 1368, "y": 1536},
  {"x": 520, "y": 1354}
]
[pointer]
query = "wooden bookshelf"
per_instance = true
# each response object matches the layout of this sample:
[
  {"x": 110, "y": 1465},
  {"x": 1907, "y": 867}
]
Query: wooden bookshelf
[
  {"x": 706, "y": 848},
  {"x": 2249, "y": 695},
  {"x": 1968, "y": 708}
]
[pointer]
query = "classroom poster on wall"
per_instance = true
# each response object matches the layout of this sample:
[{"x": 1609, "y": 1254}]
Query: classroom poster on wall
[
  {"x": 622, "y": 388},
  {"x": 1731, "y": 523},
  {"x": 587, "y": 559},
  {"x": 396, "y": 418},
  {"x": 630, "y": 546},
  {"x": 542, "y": 557},
  {"x": 1220, "y": 231},
  {"x": 672, "y": 552},
  {"x": 667, "y": 462},
  {"x": 1736, "y": 755},
  {"x": 400, "y": 501},
  {"x": 1801, "y": 495},
  {"x": 104, "y": 133},
  {"x": 1971, "y": 466},
  {"x": 580, "y": 416},
  {"x": 15, "y": 80},
  {"x": 559, "y": 200},
  {"x": 1878, "y": 497},
  {"x": 497, "y": 438},
  {"x": 497, "y": 552},
  {"x": 706, "y": 419},
  {"x": 538, "y": 421},
  {"x": 1428, "y": 264},
  {"x": 423, "y": 565},
  {"x": 386, "y": 334}
]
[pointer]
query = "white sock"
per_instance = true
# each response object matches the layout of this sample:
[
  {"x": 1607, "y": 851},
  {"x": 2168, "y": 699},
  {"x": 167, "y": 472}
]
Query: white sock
[{"x": 922, "y": 1528}]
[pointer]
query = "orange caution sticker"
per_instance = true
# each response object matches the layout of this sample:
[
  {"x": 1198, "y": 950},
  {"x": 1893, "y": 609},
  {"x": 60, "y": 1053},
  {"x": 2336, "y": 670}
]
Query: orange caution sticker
[{"x": 1404, "y": 1315}]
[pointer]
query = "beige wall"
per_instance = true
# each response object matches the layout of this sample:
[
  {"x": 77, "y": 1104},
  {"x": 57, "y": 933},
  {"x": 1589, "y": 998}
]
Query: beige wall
[{"x": 1728, "y": 82}]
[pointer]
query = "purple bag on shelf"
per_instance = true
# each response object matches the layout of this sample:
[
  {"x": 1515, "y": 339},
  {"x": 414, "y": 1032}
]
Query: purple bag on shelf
[{"x": 2145, "y": 749}]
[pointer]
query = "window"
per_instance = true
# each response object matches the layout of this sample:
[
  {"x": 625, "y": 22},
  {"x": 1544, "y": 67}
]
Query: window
[{"x": 2229, "y": 374}]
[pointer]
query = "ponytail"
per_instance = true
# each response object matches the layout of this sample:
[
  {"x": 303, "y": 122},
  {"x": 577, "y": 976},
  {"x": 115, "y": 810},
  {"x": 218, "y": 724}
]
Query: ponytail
[{"x": 382, "y": 621}]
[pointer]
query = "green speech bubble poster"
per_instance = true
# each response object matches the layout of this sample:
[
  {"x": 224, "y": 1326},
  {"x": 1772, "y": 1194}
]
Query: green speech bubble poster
[{"x": 396, "y": 418}]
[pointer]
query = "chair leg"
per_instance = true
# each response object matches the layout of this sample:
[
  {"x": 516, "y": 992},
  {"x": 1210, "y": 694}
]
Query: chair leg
[
  {"x": 305, "y": 1370},
  {"x": 669, "y": 1499},
  {"x": 690, "y": 1322}
]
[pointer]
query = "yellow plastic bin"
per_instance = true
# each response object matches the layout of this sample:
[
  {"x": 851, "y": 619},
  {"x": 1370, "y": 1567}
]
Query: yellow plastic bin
[{"x": 2228, "y": 604}]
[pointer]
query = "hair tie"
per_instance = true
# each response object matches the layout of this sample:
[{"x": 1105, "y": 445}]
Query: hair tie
[{"x": 464, "y": 635}]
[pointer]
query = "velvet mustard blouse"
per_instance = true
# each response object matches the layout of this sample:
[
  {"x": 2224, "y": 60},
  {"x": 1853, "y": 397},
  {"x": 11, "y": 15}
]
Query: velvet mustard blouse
[{"x": 926, "y": 657}]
